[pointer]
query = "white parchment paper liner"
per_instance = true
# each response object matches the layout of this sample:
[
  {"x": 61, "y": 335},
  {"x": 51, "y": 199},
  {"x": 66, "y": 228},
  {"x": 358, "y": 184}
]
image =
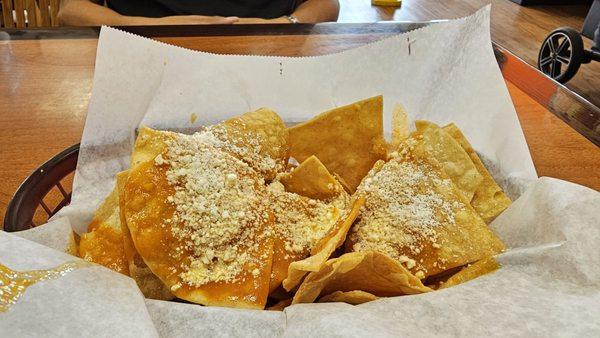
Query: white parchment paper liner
[
  {"x": 56, "y": 234},
  {"x": 550, "y": 281},
  {"x": 449, "y": 74},
  {"x": 87, "y": 302}
]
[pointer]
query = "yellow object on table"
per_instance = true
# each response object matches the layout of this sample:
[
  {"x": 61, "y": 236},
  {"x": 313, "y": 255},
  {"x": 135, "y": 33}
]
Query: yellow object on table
[{"x": 390, "y": 3}]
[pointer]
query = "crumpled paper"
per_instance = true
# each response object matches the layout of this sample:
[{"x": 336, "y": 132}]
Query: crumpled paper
[
  {"x": 56, "y": 234},
  {"x": 550, "y": 280},
  {"x": 86, "y": 302},
  {"x": 183, "y": 320},
  {"x": 548, "y": 285}
]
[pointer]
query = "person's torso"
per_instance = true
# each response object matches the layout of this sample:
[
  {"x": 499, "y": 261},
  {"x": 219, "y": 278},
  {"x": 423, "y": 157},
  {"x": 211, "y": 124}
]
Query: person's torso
[{"x": 241, "y": 8}]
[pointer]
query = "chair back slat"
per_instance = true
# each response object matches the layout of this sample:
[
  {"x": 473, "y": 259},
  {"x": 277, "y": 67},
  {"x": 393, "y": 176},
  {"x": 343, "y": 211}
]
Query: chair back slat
[
  {"x": 7, "y": 11},
  {"x": 31, "y": 8},
  {"x": 29, "y": 13},
  {"x": 45, "y": 13},
  {"x": 19, "y": 13},
  {"x": 54, "y": 12}
]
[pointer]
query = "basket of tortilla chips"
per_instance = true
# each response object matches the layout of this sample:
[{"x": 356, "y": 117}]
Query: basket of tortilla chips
[{"x": 251, "y": 213}]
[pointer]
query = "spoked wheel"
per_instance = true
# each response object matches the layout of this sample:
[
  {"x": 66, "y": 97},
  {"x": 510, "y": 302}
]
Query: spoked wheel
[{"x": 562, "y": 54}]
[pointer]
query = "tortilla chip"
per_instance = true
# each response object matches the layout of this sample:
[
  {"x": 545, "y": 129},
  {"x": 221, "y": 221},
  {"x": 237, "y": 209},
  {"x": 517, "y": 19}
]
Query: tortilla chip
[
  {"x": 280, "y": 263},
  {"x": 149, "y": 144},
  {"x": 175, "y": 260},
  {"x": 400, "y": 126},
  {"x": 307, "y": 187},
  {"x": 348, "y": 139},
  {"x": 281, "y": 305},
  {"x": 312, "y": 200},
  {"x": 300, "y": 224},
  {"x": 150, "y": 285},
  {"x": 452, "y": 157},
  {"x": 343, "y": 183},
  {"x": 103, "y": 243},
  {"x": 371, "y": 272},
  {"x": 472, "y": 271},
  {"x": 416, "y": 215},
  {"x": 258, "y": 138},
  {"x": 489, "y": 200},
  {"x": 355, "y": 297},
  {"x": 311, "y": 179},
  {"x": 321, "y": 253}
]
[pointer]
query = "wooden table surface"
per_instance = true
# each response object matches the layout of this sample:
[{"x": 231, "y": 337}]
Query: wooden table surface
[
  {"x": 520, "y": 29},
  {"x": 45, "y": 86}
]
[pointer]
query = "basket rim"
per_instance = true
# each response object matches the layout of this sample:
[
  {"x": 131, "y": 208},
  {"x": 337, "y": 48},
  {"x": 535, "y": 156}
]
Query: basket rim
[{"x": 11, "y": 214}]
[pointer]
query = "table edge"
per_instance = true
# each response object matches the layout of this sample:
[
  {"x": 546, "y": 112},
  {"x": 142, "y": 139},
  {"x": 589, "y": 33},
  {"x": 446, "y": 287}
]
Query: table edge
[
  {"x": 570, "y": 107},
  {"x": 329, "y": 28},
  {"x": 573, "y": 109}
]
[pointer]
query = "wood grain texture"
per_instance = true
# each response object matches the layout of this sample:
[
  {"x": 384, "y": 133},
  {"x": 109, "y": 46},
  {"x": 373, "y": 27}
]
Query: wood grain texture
[
  {"x": 518, "y": 29},
  {"x": 20, "y": 13},
  {"x": 557, "y": 150},
  {"x": 46, "y": 20},
  {"x": 29, "y": 13},
  {"x": 32, "y": 13},
  {"x": 7, "y": 18},
  {"x": 45, "y": 87}
]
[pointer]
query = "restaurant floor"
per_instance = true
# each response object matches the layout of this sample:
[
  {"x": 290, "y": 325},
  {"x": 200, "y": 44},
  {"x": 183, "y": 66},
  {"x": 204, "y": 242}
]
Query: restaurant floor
[{"x": 519, "y": 29}]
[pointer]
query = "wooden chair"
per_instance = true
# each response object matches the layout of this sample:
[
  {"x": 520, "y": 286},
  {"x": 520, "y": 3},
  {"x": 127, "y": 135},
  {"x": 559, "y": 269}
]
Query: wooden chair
[{"x": 29, "y": 13}]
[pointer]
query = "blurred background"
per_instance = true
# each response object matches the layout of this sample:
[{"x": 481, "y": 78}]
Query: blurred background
[{"x": 521, "y": 26}]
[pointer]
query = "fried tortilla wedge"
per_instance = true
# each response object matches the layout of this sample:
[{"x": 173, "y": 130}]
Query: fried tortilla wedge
[
  {"x": 281, "y": 261},
  {"x": 343, "y": 183},
  {"x": 371, "y": 272},
  {"x": 172, "y": 201},
  {"x": 348, "y": 139},
  {"x": 311, "y": 179},
  {"x": 258, "y": 138},
  {"x": 417, "y": 216},
  {"x": 354, "y": 297},
  {"x": 472, "y": 271},
  {"x": 150, "y": 285},
  {"x": 452, "y": 157},
  {"x": 325, "y": 247},
  {"x": 307, "y": 203},
  {"x": 400, "y": 126},
  {"x": 489, "y": 200},
  {"x": 103, "y": 243}
]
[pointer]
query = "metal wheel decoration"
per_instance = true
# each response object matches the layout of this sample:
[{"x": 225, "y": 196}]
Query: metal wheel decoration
[
  {"x": 561, "y": 54},
  {"x": 556, "y": 52}
]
